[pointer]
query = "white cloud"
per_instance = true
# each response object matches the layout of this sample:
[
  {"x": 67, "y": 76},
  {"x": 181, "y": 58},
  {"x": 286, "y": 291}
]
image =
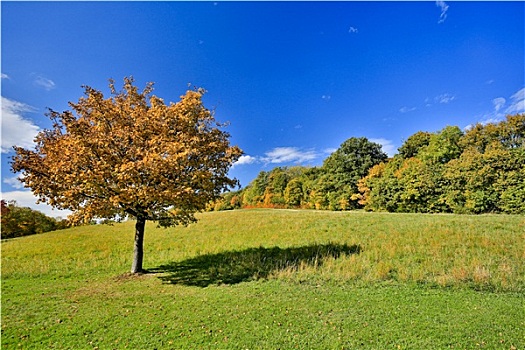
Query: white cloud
[
  {"x": 517, "y": 102},
  {"x": 388, "y": 147},
  {"x": 490, "y": 121},
  {"x": 487, "y": 120},
  {"x": 326, "y": 97},
  {"x": 514, "y": 106},
  {"x": 498, "y": 103},
  {"x": 288, "y": 154},
  {"x": 45, "y": 83},
  {"x": 13, "y": 182},
  {"x": 281, "y": 155},
  {"x": 5, "y": 76},
  {"x": 27, "y": 199},
  {"x": 246, "y": 159},
  {"x": 407, "y": 109},
  {"x": 444, "y": 98},
  {"x": 16, "y": 130},
  {"x": 444, "y": 9},
  {"x": 353, "y": 30}
]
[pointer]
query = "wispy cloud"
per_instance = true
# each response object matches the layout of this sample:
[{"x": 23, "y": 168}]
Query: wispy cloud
[
  {"x": 407, "y": 109},
  {"x": 13, "y": 182},
  {"x": 353, "y": 30},
  {"x": 517, "y": 102},
  {"x": 5, "y": 76},
  {"x": 289, "y": 155},
  {"x": 498, "y": 103},
  {"x": 444, "y": 98},
  {"x": 28, "y": 199},
  {"x": 444, "y": 8},
  {"x": 387, "y": 145},
  {"x": 329, "y": 150},
  {"x": 44, "y": 82},
  {"x": 16, "y": 130}
]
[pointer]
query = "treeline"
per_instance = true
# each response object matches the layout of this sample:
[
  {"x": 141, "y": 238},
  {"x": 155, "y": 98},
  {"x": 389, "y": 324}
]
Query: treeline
[
  {"x": 481, "y": 170},
  {"x": 22, "y": 221}
]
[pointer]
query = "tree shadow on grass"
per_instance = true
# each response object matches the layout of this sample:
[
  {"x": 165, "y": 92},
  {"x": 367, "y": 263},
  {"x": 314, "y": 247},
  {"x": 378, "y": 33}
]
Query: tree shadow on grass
[{"x": 247, "y": 265}]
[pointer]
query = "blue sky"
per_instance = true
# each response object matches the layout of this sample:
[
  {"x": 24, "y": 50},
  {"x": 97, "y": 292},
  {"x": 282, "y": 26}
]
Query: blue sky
[{"x": 293, "y": 79}]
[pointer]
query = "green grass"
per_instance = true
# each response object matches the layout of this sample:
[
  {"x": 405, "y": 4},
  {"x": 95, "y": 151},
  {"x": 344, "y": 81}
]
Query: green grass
[{"x": 268, "y": 279}]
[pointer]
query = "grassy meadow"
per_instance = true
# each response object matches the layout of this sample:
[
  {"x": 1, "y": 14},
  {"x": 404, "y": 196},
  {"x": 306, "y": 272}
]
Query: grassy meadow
[{"x": 272, "y": 279}]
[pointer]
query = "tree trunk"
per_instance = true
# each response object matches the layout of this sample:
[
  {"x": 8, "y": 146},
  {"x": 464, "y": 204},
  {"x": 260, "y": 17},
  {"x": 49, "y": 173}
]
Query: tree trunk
[{"x": 138, "y": 250}]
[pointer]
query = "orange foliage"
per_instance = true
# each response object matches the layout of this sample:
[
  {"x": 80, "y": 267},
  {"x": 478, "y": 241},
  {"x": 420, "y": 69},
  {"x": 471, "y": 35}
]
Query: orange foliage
[{"x": 130, "y": 154}]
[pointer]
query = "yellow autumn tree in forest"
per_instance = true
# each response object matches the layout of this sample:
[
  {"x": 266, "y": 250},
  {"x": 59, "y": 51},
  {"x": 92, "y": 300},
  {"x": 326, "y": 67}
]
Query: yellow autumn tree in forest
[{"x": 130, "y": 155}]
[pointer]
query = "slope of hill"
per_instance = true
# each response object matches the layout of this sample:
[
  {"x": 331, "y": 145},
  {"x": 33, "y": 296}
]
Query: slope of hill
[{"x": 264, "y": 279}]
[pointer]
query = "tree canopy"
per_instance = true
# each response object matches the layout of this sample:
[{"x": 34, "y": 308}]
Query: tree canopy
[
  {"x": 343, "y": 169},
  {"x": 130, "y": 154},
  {"x": 480, "y": 170},
  {"x": 331, "y": 186},
  {"x": 22, "y": 221}
]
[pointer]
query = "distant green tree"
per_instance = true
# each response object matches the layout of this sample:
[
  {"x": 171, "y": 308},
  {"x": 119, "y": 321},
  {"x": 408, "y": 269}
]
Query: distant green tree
[
  {"x": 280, "y": 187},
  {"x": 319, "y": 194},
  {"x": 343, "y": 169},
  {"x": 253, "y": 194},
  {"x": 274, "y": 192},
  {"x": 444, "y": 146},
  {"x": 510, "y": 133},
  {"x": 22, "y": 221},
  {"x": 489, "y": 176},
  {"x": 413, "y": 145},
  {"x": 480, "y": 171},
  {"x": 381, "y": 189},
  {"x": 492, "y": 181},
  {"x": 294, "y": 193},
  {"x": 422, "y": 187},
  {"x": 228, "y": 201}
]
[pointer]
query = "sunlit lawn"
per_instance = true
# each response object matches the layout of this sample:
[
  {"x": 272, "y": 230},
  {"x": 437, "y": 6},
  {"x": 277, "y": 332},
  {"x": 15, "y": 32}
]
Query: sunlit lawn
[{"x": 268, "y": 279}]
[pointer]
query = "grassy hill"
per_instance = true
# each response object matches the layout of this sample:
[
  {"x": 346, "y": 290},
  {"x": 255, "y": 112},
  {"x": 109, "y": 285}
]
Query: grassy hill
[{"x": 268, "y": 279}]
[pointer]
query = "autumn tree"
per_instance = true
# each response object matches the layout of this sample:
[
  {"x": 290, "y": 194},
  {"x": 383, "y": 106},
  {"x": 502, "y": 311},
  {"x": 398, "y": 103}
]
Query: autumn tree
[{"x": 130, "y": 155}]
